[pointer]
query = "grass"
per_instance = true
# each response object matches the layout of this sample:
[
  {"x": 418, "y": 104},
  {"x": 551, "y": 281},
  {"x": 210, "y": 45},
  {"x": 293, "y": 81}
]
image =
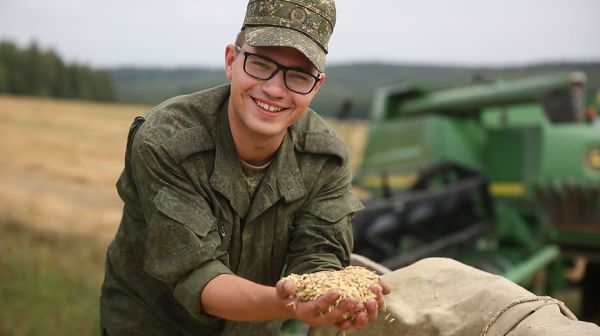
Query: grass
[{"x": 49, "y": 283}]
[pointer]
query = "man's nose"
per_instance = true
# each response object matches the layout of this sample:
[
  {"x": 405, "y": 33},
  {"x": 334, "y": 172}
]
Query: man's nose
[{"x": 276, "y": 85}]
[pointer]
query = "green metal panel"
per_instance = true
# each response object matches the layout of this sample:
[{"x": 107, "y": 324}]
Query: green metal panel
[
  {"x": 520, "y": 114},
  {"x": 566, "y": 152},
  {"x": 512, "y": 153},
  {"x": 474, "y": 98},
  {"x": 460, "y": 141},
  {"x": 397, "y": 143},
  {"x": 412, "y": 143}
]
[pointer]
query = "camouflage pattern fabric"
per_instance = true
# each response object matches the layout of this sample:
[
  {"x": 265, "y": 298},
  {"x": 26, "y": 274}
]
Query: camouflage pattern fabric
[
  {"x": 442, "y": 297},
  {"x": 188, "y": 217},
  {"x": 306, "y": 25}
]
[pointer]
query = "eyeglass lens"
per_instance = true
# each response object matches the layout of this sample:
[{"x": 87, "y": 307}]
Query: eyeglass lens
[{"x": 263, "y": 68}]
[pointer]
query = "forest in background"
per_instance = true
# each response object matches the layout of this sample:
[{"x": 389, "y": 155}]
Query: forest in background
[{"x": 35, "y": 71}]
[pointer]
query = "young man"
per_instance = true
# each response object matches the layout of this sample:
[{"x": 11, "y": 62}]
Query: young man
[{"x": 228, "y": 189}]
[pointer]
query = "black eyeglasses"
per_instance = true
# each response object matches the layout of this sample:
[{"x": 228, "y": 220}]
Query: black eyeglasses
[{"x": 264, "y": 68}]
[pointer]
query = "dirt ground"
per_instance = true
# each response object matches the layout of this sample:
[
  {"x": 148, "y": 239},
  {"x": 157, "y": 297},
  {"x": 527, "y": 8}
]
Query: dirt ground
[{"x": 61, "y": 159}]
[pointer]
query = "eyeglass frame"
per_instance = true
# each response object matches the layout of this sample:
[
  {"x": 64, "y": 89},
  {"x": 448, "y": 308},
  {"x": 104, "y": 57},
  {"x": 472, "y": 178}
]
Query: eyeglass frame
[{"x": 279, "y": 67}]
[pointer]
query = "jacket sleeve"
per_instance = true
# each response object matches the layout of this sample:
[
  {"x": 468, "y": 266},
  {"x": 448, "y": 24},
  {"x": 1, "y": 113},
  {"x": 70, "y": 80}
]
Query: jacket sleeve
[
  {"x": 321, "y": 237},
  {"x": 182, "y": 240}
]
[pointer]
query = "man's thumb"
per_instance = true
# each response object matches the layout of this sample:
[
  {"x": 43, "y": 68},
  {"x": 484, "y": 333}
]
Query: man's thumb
[{"x": 285, "y": 289}]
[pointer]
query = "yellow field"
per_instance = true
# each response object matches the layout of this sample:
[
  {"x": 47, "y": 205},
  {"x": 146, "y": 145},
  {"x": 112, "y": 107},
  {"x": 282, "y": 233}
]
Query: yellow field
[{"x": 61, "y": 159}]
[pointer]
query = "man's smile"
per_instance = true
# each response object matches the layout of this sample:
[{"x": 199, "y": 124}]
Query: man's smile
[{"x": 267, "y": 107}]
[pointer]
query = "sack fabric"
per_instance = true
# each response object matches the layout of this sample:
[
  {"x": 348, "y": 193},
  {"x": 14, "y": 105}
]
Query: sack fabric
[{"x": 443, "y": 297}]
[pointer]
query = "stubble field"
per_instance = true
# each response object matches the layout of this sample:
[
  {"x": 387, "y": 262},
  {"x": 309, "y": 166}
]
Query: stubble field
[
  {"x": 59, "y": 208},
  {"x": 60, "y": 160}
]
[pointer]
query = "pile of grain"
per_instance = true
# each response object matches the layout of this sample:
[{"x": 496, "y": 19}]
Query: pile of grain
[{"x": 352, "y": 282}]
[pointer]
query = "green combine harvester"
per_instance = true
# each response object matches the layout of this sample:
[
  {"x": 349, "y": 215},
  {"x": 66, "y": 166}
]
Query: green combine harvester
[{"x": 504, "y": 176}]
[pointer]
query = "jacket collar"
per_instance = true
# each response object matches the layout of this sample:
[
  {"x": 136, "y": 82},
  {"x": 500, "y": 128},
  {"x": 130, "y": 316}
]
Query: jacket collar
[{"x": 283, "y": 179}]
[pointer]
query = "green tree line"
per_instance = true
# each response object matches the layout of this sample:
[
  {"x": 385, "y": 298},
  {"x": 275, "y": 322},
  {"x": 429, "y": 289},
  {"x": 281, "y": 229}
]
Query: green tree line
[
  {"x": 38, "y": 72},
  {"x": 349, "y": 89}
]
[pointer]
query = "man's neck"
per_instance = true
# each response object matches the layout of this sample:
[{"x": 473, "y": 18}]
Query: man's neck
[{"x": 253, "y": 151}]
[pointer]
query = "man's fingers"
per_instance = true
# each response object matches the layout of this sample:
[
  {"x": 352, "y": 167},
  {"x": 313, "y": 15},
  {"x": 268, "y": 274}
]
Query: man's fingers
[
  {"x": 343, "y": 311},
  {"x": 386, "y": 288},
  {"x": 360, "y": 320},
  {"x": 378, "y": 291},
  {"x": 353, "y": 315},
  {"x": 357, "y": 309},
  {"x": 344, "y": 325},
  {"x": 325, "y": 301},
  {"x": 371, "y": 307},
  {"x": 348, "y": 313}
]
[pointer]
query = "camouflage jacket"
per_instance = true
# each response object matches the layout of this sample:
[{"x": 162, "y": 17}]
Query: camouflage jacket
[{"x": 188, "y": 216}]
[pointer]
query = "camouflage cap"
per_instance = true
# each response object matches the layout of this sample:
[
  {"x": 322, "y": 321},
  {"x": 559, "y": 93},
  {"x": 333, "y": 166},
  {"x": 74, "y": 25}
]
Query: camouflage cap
[{"x": 302, "y": 24}]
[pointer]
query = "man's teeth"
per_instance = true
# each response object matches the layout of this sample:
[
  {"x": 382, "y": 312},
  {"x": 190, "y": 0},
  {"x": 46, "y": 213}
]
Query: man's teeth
[{"x": 268, "y": 107}]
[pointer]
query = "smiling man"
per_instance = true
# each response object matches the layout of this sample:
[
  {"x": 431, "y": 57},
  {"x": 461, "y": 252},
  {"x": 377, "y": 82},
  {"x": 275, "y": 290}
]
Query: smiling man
[{"x": 229, "y": 189}]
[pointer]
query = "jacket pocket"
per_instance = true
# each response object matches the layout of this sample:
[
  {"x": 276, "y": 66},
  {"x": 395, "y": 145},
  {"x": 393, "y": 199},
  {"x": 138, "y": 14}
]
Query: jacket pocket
[
  {"x": 195, "y": 217},
  {"x": 181, "y": 237}
]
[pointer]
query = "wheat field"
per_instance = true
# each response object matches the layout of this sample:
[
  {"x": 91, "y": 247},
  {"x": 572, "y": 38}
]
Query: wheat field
[{"x": 61, "y": 159}]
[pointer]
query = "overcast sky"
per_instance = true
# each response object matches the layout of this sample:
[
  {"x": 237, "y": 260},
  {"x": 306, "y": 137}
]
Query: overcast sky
[{"x": 195, "y": 32}]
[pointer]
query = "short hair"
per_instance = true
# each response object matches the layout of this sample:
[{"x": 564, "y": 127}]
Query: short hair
[{"x": 240, "y": 39}]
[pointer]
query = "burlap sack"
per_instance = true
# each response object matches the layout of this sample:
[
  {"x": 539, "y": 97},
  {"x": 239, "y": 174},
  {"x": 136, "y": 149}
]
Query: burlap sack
[{"x": 439, "y": 296}]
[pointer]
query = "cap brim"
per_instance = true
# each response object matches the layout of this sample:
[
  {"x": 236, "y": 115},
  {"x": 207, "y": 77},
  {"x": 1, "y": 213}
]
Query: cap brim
[{"x": 285, "y": 37}]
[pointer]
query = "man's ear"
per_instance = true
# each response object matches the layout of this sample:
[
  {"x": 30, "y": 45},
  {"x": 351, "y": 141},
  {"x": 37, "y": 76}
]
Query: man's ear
[
  {"x": 230, "y": 53},
  {"x": 319, "y": 83}
]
